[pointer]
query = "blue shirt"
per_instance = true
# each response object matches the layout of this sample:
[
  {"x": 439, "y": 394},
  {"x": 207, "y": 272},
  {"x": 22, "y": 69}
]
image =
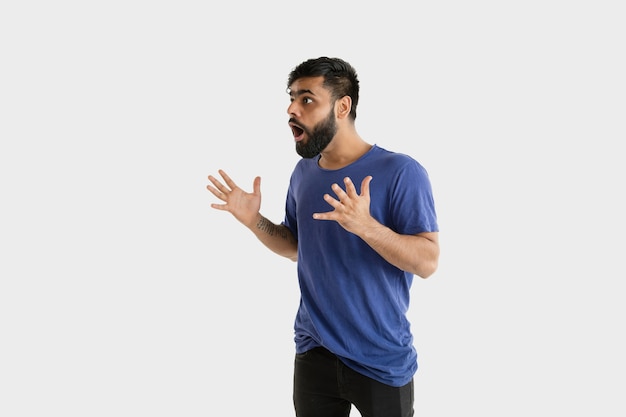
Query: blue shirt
[{"x": 353, "y": 302}]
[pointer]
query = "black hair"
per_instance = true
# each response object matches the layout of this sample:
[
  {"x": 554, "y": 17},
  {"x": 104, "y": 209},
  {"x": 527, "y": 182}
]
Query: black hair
[{"x": 339, "y": 77}]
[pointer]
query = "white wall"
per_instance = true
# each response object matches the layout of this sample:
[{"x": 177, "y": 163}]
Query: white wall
[{"x": 123, "y": 293}]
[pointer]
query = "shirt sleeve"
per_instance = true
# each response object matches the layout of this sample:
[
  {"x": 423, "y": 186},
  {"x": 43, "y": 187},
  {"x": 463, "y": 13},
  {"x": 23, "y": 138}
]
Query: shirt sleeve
[{"x": 412, "y": 202}]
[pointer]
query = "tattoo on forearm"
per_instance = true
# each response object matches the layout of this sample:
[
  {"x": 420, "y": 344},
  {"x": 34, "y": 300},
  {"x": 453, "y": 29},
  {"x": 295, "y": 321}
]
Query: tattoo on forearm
[{"x": 271, "y": 229}]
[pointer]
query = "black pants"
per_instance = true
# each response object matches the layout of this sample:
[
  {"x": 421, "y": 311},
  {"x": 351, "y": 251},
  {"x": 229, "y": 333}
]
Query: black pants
[{"x": 325, "y": 387}]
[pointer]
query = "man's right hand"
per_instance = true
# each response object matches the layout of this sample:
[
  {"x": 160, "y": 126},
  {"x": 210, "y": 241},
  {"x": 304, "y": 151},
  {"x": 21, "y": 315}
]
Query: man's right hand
[{"x": 244, "y": 206}]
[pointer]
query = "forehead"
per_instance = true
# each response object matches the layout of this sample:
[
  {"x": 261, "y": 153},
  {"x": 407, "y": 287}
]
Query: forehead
[{"x": 308, "y": 85}]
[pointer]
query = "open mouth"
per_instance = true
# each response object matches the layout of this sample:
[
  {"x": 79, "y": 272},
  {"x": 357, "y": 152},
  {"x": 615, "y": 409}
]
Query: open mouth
[{"x": 297, "y": 131}]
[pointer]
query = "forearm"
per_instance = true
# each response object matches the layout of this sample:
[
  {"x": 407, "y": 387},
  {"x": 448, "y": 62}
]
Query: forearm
[
  {"x": 418, "y": 254},
  {"x": 277, "y": 238}
]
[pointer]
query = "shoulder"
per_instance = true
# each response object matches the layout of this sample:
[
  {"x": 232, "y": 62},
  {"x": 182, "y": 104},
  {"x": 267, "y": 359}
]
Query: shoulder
[
  {"x": 397, "y": 160},
  {"x": 305, "y": 164}
]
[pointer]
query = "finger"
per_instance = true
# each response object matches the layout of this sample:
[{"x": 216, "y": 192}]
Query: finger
[
  {"x": 332, "y": 201},
  {"x": 223, "y": 207},
  {"x": 341, "y": 194},
  {"x": 228, "y": 180},
  {"x": 350, "y": 188},
  {"x": 218, "y": 185},
  {"x": 256, "y": 185},
  {"x": 324, "y": 216},
  {"x": 365, "y": 186},
  {"x": 216, "y": 193}
]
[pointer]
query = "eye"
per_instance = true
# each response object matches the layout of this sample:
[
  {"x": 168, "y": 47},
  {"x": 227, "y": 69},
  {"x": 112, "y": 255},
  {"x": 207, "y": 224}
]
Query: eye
[{"x": 307, "y": 100}]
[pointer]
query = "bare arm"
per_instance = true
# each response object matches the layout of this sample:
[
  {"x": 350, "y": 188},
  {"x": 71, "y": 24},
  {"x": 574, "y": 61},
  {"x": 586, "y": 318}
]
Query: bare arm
[
  {"x": 245, "y": 208},
  {"x": 418, "y": 254},
  {"x": 276, "y": 237}
]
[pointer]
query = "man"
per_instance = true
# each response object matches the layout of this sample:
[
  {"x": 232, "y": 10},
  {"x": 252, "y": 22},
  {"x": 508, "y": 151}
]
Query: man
[{"x": 360, "y": 221}]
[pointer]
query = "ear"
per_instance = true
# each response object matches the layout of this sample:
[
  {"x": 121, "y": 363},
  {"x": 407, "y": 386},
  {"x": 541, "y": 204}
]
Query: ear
[{"x": 343, "y": 107}]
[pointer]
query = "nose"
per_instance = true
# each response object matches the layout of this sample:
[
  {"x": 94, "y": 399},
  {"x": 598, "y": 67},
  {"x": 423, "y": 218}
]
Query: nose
[{"x": 292, "y": 109}]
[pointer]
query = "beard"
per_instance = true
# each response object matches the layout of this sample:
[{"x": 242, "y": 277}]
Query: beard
[{"x": 318, "y": 138}]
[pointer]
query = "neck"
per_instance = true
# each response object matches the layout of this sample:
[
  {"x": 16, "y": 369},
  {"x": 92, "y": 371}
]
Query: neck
[{"x": 342, "y": 151}]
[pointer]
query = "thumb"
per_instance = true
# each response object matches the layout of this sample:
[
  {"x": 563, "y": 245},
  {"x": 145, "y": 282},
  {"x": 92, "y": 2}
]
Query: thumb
[
  {"x": 365, "y": 185},
  {"x": 256, "y": 186}
]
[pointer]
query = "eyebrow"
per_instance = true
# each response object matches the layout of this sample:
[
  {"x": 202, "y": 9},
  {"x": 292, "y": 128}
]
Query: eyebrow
[{"x": 299, "y": 92}]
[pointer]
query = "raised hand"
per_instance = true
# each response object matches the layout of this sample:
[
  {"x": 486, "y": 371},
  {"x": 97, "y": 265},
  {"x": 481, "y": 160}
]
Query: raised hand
[
  {"x": 241, "y": 204},
  {"x": 351, "y": 210}
]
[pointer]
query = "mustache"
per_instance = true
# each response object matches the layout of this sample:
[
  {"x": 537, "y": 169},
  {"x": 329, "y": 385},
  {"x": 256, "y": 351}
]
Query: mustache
[{"x": 294, "y": 121}]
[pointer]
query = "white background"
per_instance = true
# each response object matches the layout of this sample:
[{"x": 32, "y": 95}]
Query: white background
[{"x": 122, "y": 293}]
